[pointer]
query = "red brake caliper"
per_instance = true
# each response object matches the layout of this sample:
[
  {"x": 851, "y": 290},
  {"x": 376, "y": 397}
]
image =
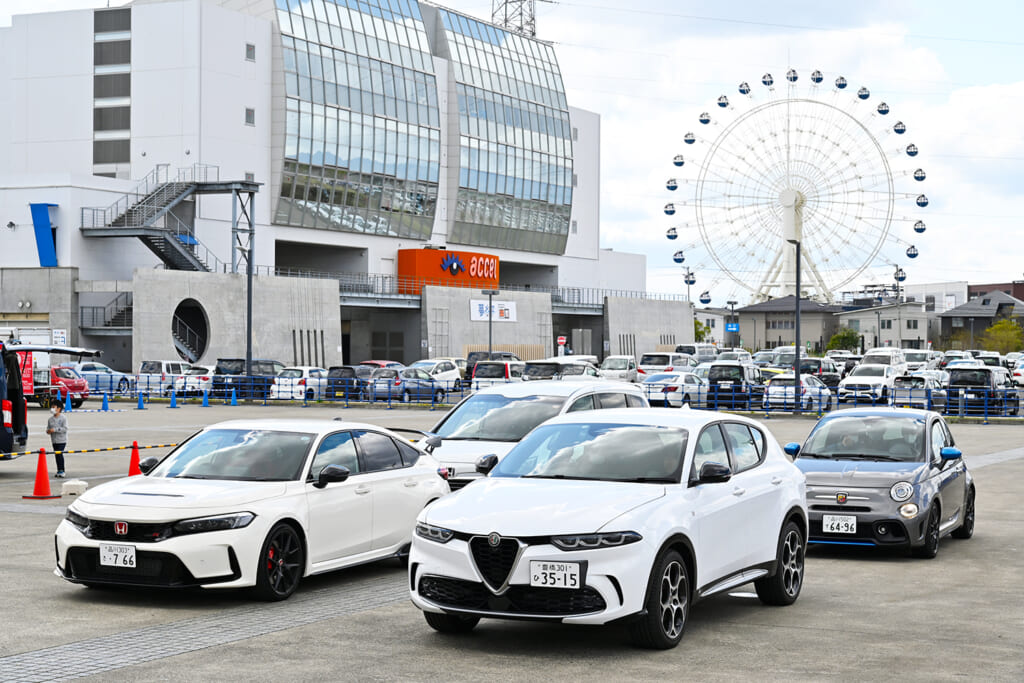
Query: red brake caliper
[{"x": 270, "y": 559}]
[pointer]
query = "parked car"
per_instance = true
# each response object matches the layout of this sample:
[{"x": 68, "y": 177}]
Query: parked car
[
  {"x": 492, "y": 420},
  {"x": 981, "y": 390},
  {"x": 443, "y": 371},
  {"x": 196, "y": 382},
  {"x": 919, "y": 360},
  {"x": 382, "y": 363},
  {"x": 952, "y": 355},
  {"x": 884, "y": 355},
  {"x": 699, "y": 351},
  {"x": 621, "y": 368},
  {"x": 868, "y": 384},
  {"x": 616, "y": 516},
  {"x": 56, "y": 383},
  {"x": 460, "y": 363},
  {"x": 737, "y": 355},
  {"x": 475, "y": 357},
  {"x": 103, "y": 379},
  {"x": 158, "y": 376},
  {"x": 763, "y": 359},
  {"x": 229, "y": 373},
  {"x": 668, "y": 361},
  {"x": 251, "y": 503},
  {"x": 580, "y": 371},
  {"x": 782, "y": 392},
  {"x": 734, "y": 386},
  {"x": 490, "y": 372},
  {"x": 299, "y": 382},
  {"x": 885, "y": 477},
  {"x": 675, "y": 389},
  {"x": 345, "y": 382},
  {"x": 917, "y": 391},
  {"x": 822, "y": 368},
  {"x": 406, "y": 385},
  {"x": 549, "y": 368}
]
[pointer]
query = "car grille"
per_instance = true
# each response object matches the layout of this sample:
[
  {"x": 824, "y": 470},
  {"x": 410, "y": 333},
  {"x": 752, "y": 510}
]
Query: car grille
[
  {"x": 138, "y": 532},
  {"x": 840, "y": 508},
  {"x": 525, "y": 600},
  {"x": 857, "y": 387},
  {"x": 152, "y": 569},
  {"x": 456, "y": 484},
  {"x": 494, "y": 563}
]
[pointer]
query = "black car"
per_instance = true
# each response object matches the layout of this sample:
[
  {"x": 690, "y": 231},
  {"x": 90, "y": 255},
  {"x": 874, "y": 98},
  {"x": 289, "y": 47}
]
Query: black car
[
  {"x": 849, "y": 363},
  {"x": 230, "y": 374},
  {"x": 475, "y": 357},
  {"x": 822, "y": 368},
  {"x": 734, "y": 386},
  {"x": 347, "y": 382},
  {"x": 983, "y": 391}
]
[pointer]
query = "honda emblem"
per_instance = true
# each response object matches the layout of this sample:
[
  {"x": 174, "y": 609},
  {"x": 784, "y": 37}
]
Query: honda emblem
[{"x": 121, "y": 528}]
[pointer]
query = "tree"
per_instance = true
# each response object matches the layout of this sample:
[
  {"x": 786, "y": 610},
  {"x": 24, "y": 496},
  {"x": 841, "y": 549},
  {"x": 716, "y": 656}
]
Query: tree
[
  {"x": 845, "y": 338},
  {"x": 1004, "y": 336},
  {"x": 700, "y": 330}
]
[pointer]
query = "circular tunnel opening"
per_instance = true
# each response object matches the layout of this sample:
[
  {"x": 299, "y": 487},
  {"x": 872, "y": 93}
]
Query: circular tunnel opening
[{"x": 190, "y": 330}]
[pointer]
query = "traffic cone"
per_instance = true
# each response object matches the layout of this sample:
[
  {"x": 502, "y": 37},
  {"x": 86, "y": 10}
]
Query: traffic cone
[
  {"x": 42, "y": 488},
  {"x": 234, "y": 398},
  {"x": 142, "y": 403},
  {"x": 206, "y": 399},
  {"x": 133, "y": 465},
  {"x": 174, "y": 399},
  {"x": 106, "y": 404},
  {"x": 67, "y": 402}
]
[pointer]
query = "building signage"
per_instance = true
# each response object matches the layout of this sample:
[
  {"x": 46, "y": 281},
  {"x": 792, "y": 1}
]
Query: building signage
[
  {"x": 60, "y": 337},
  {"x": 732, "y": 327},
  {"x": 501, "y": 311},
  {"x": 444, "y": 268}
]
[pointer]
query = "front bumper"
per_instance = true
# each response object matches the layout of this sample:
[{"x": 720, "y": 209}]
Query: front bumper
[{"x": 879, "y": 522}]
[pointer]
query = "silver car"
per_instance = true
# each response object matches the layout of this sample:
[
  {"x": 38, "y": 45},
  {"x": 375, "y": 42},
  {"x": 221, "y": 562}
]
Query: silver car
[{"x": 885, "y": 477}]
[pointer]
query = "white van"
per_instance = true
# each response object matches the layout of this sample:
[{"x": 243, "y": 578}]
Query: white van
[
  {"x": 885, "y": 355},
  {"x": 700, "y": 351}
]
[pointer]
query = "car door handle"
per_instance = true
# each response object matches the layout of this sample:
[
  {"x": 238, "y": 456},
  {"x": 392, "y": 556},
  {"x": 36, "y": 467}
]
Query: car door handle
[
  {"x": 738, "y": 491},
  {"x": 776, "y": 480},
  {"x": 411, "y": 483},
  {"x": 362, "y": 490}
]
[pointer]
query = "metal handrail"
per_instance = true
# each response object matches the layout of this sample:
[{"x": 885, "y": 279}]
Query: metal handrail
[
  {"x": 98, "y": 217},
  {"x": 186, "y": 334},
  {"x": 178, "y": 229},
  {"x": 199, "y": 173},
  {"x": 103, "y": 316}
]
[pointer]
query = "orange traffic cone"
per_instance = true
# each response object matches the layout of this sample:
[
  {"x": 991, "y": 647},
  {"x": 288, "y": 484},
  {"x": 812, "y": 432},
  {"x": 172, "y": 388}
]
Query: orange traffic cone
[
  {"x": 133, "y": 466},
  {"x": 42, "y": 488}
]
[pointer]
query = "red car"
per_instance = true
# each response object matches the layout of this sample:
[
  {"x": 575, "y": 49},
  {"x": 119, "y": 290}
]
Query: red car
[
  {"x": 56, "y": 383},
  {"x": 382, "y": 364}
]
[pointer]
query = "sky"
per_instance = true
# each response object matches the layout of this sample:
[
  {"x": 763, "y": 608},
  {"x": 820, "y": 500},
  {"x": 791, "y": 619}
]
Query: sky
[{"x": 951, "y": 71}]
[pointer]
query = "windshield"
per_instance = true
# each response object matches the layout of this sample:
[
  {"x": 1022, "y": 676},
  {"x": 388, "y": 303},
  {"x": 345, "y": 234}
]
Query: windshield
[
  {"x": 764, "y": 355},
  {"x": 426, "y": 364},
  {"x": 989, "y": 360},
  {"x": 910, "y": 382},
  {"x": 726, "y": 373},
  {"x": 230, "y": 367},
  {"x": 238, "y": 455},
  {"x": 614, "y": 364},
  {"x": 490, "y": 370},
  {"x": 573, "y": 369},
  {"x": 969, "y": 378},
  {"x": 781, "y": 382},
  {"x": 662, "y": 377},
  {"x": 290, "y": 373},
  {"x": 877, "y": 359},
  {"x": 492, "y": 417},
  {"x": 66, "y": 373},
  {"x": 867, "y": 437},
  {"x": 346, "y": 373},
  {"x": 916, "y": 356},
  {"x": 785, "y": 359},
  {"x": 654, "y": 359},
  {"x": 865, "y": 371},
  {"x": 197, "y": 370},
  {"x": 728, "y": 355},
  {"x": 384, "y": 373},
  {"x": 364, "y": 371},
  {"x": 603, "y": 452},
  {"x": 538, "y": 370}
]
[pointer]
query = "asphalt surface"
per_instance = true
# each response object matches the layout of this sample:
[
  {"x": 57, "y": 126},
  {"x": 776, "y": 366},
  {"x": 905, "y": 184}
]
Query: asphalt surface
[{"x": 863, "y": 614}]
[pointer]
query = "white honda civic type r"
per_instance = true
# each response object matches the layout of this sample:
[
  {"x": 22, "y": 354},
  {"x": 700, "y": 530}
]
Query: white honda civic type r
[
  {"x": 615, "y": 515},
  {"x": 252, "y": 503}
]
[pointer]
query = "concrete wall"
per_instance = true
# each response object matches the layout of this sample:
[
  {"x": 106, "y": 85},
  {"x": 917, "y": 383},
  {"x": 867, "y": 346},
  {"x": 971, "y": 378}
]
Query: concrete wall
[
  {"x": 446, "y": 320},
  {"x": 51, "y": 292},
  {"x": 636, "y": 326},
  {"x": 280, "y": 305},
  {"x": 364, "y": 322}
]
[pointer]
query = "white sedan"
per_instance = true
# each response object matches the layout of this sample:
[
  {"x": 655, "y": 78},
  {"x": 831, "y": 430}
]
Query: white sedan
[
  {"x": 299, "y": 382},
  {"x": 675, "y": 389},
  {"x": 197, "y": 381},
  {"x": 611, "y": 515},
  {"x": 252, "y": 503},
  {"x": 782, "y": 393}
]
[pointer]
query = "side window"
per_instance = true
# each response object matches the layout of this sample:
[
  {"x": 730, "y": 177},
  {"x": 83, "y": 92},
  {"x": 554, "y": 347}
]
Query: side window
[
  {"x": 710, "y": 448},
  {"x": 744, "y": 449},
  {"x": 583, "y": 403},
  {"x": 336, "y": 449},
  {"x": 409, "y": 454},
  {"x": 379, "y": 452},
  {"x": 938, "y": 440},
  {"x": 634, "y": 401},
  {"x": 612, "y": 400},
  {"x": 515, "y": 371}
]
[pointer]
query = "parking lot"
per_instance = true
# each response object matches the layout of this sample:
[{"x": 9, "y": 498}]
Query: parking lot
[{"x": 862, "y": 614}]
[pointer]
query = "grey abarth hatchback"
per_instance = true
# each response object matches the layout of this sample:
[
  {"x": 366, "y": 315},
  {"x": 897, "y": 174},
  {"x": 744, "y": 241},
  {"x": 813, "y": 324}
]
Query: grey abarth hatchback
[{"x": 885, "y": 477}]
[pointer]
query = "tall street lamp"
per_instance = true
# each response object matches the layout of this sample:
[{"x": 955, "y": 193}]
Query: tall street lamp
[
  {"x": 490, "y": 318},
  {"x": 734, "y": 321},
  {"x": 899, "y": 276},
  {"x": 796, "y": 356}
]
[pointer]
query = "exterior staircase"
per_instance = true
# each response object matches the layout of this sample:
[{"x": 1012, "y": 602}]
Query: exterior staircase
[
  {"x": 188, "y": 343},
  {"x": 115, "y": 317}
]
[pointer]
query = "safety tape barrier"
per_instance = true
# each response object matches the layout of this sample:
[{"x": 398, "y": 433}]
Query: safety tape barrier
[{"x": 89, "y": 450}]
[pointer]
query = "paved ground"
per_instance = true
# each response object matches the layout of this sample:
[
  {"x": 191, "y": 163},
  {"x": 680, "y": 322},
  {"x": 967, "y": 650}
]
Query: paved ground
[{"x": 865, "y": 615}]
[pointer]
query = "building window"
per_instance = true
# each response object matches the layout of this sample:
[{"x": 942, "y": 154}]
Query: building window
[
  {"x": 250, "y": 177},
  {"x": 887, "y": 324},
  {"x": 958, "y": 322},
  {"x": 250, "y": 117},
  {"x": 250, "y": 52},
  {"x": 911, "y": 324},
  {"x": 575, "y": 227},
  {"x": 854, "y": 325}
]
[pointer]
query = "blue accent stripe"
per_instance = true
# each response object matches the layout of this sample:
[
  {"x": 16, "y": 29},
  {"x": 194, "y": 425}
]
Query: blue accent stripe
[
  {"x": 44, "y": 235},
  {"x": 871, "y": 545}
]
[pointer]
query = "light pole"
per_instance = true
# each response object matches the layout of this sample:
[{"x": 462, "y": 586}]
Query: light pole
[
  {"x": 796, "y": 356},
  {"x": 732, "y": 319},
  {"x": 899, "y": 276},
  {"x": 490, "y": 318}
]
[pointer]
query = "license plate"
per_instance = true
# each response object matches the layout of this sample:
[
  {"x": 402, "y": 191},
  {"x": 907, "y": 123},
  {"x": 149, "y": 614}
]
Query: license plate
[
  {"x": 554, "y": 574},
  {"x": 972, "y": 396},
  {"x": 117, "y": 555},
  {"x": 839, "y": 524}
]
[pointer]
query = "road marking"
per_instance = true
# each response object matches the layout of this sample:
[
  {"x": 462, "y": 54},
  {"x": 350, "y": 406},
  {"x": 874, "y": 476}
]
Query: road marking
[{"x": 975, "y": 462}]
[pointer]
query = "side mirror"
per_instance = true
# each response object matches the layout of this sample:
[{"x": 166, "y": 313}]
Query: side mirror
[
  {"x": 431, "y": 442},
  {"x": 146, "y": 465},
  {"x": 792, "y": 449},
  {"x": 331, "y": 474},
  {"x": 713, "y": 473},
  {"x": 950, "y": 453},
  {"x": 486, "y": 463}
]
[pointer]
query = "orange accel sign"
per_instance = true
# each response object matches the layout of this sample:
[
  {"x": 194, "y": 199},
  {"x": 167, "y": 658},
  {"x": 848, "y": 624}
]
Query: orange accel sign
[{"x": 444, "y": 268}]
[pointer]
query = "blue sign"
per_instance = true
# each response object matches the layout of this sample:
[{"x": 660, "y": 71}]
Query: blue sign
[{"x": 732, "y": 327}]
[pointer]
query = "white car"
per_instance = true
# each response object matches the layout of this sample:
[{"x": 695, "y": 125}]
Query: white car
[
  {"x": 252, "y": 503},
  {"x": 159, "y": 376},
  {"x": 487, "y": 373},
  {"x": 868, "y": 383},
  {"x": 621, "y": 368},
  {"x": 580, "y": 372},
  {"x": 299, "y": 382},
  {"x": 443, "y": 371},
  {"x": 627, "y": 516},
  {"x": 702, "y": 370},
  {"x": 492, "y": 420},
  {"x": 197, "y": 381},
  {"x": 667, "y": 361},
  {"x": 675, "y": 389},
  {"x": 781, "y": 393}
]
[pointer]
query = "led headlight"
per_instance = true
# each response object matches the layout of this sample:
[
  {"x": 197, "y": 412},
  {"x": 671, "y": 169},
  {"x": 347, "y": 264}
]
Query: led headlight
[
  {"x": 909, "y": 510},
  {"x": 434, "y": 533},
  {"x": 219, "y": 523},
  {"x": 901, "y": 491},
  {"x": 78, "y": 521},
  {"x": 590, "y": 541}
]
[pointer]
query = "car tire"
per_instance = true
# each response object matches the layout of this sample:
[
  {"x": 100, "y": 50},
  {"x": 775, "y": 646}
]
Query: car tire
[
  {"x": 966, "y": 528},
  {"x": 310, "y": 394},
  {"x": 930, "y": 548},
  {"x": 77, "y": 403},
  {"x": 439, "y": 396},
  {"x": 281, "y": 564},
  {"x": 685, "y": 401},
  {"x": 406, "y": 397},
  {"x": 450, "y": 623},
  {"x": 783, "y": 588},
  {"x": 666, "y": 606},
  {"x": 122, "y": 386}
]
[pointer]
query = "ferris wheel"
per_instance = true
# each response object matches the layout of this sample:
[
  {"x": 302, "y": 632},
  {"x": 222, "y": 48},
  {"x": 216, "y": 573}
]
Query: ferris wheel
[{"x": 803, "y": 161}]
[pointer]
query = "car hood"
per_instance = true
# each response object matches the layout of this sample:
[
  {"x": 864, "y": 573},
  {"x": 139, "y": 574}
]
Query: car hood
[
  {"x": 459, "y": 452},
  {"x": 538, "y": 507},
  {"x": 859, "y": 473},
  {"x": 142, "y": 491}
]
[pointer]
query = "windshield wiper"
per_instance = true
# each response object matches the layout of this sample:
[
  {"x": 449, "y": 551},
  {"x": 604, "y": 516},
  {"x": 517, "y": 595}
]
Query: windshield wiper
[
  {"x": 478, "y": 438},
  {"x": 821, "y": 456},
  {"x": 193, "y": 476},
  {"x": 865, "y": 456},
  {"x": 556, "y": 476},
  {"x": 648, "y": 480}
]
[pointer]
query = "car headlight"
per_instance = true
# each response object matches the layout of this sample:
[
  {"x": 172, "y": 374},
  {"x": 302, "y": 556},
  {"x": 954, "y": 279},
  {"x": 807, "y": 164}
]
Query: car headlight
[
  {"x": 201, "y": 525},
  {"x": 591, "y": 541},
  {"x": 78, "y": 521},
  {"x": 901, "y": 491},
  {"x": 909, "y": 510},
  {"x": 434, "y": 533}
]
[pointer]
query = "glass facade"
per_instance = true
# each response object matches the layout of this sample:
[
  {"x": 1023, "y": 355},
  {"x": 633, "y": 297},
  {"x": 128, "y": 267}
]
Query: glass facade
[
  {"x": 362, "y": 129},
  {"x": 515, "y": 179}
]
